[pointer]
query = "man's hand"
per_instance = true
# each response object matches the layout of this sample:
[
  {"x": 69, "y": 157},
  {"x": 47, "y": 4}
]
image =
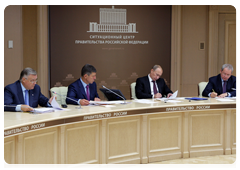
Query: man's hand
[
  {"x": 169, "y": 94},
  {"x": 84, "y": 102},
  {"x": 26, "y": 108},
  {"x": 223, "y": 95},
  {"x": 97, "y": 99},
  {"x": 158, "y": 95},
  {"x": 213, "y": 95}
]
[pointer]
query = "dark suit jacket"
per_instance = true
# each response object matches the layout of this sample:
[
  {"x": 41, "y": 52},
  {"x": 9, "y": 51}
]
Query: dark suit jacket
[
  {"x": 216, "y": 84},
  {"x": 143, "y": 89},
  {"x": 76, "y": 91},
  {"x": 13, "y": 95}
]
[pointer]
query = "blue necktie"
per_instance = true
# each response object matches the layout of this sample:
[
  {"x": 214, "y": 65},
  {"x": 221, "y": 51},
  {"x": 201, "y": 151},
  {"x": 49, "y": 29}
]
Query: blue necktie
[{"x": 26, "y": 97}]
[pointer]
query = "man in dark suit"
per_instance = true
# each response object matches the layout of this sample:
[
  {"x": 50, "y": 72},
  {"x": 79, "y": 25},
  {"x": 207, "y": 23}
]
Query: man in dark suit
[
  {"x": 152, "y": 86},
  {"x": 84, "y": 89},
  {"x": 24, "y": 94},
  {"x": 222, "y": 85}
]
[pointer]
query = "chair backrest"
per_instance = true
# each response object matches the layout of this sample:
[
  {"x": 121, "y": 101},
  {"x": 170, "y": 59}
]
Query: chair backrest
[
  {"x": 60, "y": 90},
  {"x": 201, "y": 87},
  {"x": 133, "y": 94}
]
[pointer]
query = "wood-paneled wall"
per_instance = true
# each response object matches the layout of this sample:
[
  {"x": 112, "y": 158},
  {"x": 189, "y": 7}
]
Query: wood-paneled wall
[{"x": 190, "y": 25}]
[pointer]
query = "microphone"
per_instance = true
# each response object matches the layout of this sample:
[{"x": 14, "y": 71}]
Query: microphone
[
  {"x": 68, "y": 98},
  {"x": 114, "y": 93}
]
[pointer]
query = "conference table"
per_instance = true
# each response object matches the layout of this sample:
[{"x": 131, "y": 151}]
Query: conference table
[{"x": 140, "y": 131}]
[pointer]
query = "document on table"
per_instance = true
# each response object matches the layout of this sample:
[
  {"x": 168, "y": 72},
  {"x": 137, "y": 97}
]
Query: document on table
[
  {"x": 144, "y": 101},
  {"x": 171, "y": 99},
  {"x": 224, "y": 99},
  {"x": 55, "y": 104},
  {"x": 106, "y": 102},
  {"x": 174, "y": 95},
  {"x": 43, "y": 110}
]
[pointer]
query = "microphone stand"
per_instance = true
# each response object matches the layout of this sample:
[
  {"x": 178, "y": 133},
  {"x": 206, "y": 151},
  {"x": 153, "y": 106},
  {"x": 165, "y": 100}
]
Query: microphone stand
[
  {"x": 115, "y": 94},
  {"x": 69, "y": 99}
]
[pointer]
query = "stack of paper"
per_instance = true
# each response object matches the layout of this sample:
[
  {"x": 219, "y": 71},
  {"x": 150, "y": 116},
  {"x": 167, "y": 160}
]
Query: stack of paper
[{"x": 43, "y": 110}]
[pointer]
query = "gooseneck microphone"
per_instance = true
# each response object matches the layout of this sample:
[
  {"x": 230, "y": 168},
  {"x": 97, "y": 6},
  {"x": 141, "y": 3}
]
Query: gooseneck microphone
[
  {"x": 68, "y": 98},
  {"x": 115, "y": 93}
]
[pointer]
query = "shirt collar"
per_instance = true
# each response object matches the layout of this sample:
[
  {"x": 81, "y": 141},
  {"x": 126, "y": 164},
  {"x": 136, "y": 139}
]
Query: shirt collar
[
  {"x": 23, "y": 88},
  {"x": 150, "y": 79},
  {"x": 222, "y": 80},
  {"x": 84, "y": 84}
]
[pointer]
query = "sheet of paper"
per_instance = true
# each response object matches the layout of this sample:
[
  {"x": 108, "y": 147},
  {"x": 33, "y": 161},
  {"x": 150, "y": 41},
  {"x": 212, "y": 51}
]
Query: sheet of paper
[
  {"x": 172, "y": 101},
  {"x": 174, "y": 95},
  {"x": 145, "y": 101},
  {"x": 224, "y": 100},
  {"x": 55, "y": 104},
  {"x": 108, "y": 105},
  {"x": 107, "y": 102},
  {"x": 43, "y": 110}
]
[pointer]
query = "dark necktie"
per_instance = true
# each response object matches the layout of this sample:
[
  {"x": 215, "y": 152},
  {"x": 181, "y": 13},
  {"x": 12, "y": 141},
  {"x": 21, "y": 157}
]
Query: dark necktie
[
  {"x": 224, "y": 86},
  {"x": 26, "y": 97},
  {"x": 88, "y": 96},
  {"x": 154, "y": 87}
]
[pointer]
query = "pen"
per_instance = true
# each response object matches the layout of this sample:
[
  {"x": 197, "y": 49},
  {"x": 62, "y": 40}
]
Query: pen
[{"x": 213, "y": 90}]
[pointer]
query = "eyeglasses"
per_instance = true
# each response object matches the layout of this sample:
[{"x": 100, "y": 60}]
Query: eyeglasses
[{"x": 32, "y": 81}]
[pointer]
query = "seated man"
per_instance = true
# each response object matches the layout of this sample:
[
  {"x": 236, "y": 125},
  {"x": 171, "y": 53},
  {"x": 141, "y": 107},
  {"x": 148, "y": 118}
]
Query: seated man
[
  {"x": 24, "y": 94},
  {"x": 222, "y": 85},
  {"x": 84, "y": 89},
  {"x": 152, "y": 86}
]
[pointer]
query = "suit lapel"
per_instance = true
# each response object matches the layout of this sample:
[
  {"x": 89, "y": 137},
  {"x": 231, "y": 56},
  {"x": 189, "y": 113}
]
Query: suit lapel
[
  {"x": 20, "y": 93},
  {"x": 91, "y": 88},
  {"x": 219, "y": 84},
  {"x": 229, "y": 85},
  {"x": 31, "y": 96},
  {"x": 81, "y": 89},
  {"x": 148, "y": 87},
  {"x": 159, "y": 86}
]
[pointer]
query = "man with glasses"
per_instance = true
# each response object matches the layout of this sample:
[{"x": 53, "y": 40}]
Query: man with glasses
[
  {"x": 222, "y": 85},
  {"x": 152, "y": 86},
  {"x": 25, "y": 94}
]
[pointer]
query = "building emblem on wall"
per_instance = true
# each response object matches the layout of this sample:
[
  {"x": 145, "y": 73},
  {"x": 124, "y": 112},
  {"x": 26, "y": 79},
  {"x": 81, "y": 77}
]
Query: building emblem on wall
[{"x": 112, "y": 21}]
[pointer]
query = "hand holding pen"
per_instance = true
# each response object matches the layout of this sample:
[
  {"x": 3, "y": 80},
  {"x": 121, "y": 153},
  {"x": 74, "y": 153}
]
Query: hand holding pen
[{"x": 213, "y": 94}]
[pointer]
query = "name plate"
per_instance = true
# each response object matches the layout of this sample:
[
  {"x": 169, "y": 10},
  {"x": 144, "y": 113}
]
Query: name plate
[
  {"x": 24, "y": 129},
  {"x": 185, "y": 108}
]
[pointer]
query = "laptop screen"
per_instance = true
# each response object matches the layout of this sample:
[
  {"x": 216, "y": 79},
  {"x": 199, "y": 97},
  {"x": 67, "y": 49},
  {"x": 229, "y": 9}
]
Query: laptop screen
[{"x": 111, "y": 96}]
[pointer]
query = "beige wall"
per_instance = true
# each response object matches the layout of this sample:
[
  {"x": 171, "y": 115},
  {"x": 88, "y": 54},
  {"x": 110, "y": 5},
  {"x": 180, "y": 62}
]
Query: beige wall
[
  {"x": 13, "y": 58},
  {"x": 194, "y": 60},
  {"x": 191, "y": 65},
  {"x": 27, "y": 26},
  {"x": 29, "y": 23}
]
